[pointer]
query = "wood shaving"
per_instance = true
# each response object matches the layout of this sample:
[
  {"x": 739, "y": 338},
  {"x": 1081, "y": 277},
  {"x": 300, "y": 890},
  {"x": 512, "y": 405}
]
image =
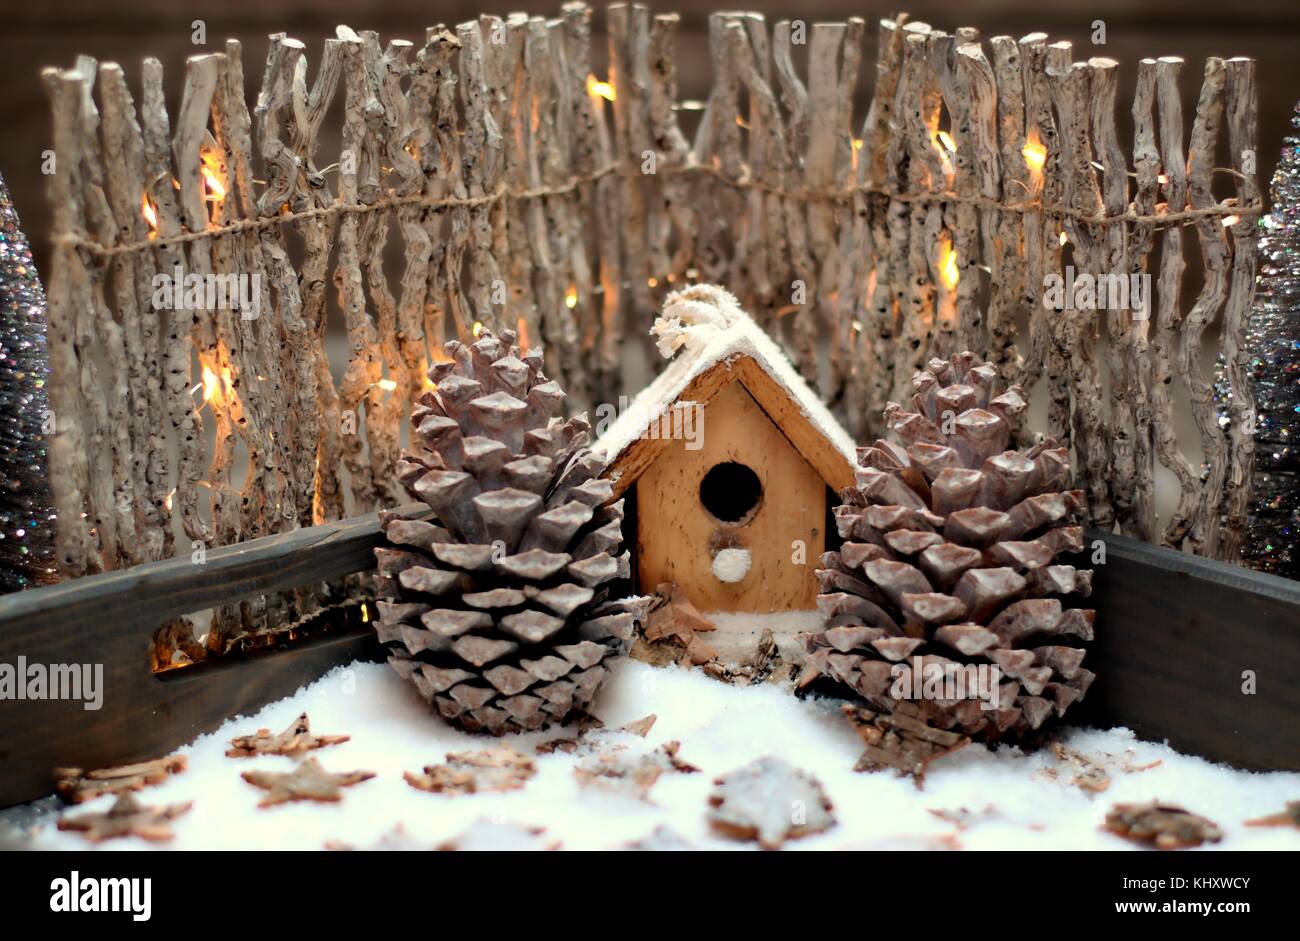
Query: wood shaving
[
  {"x": 1092, "y": 775},
  {"x": 640, "y": 727},
  {"x": 1289, "y": 817}
]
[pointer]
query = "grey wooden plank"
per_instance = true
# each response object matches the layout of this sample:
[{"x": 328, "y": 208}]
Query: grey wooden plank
[{"x": 110, "y": 619}]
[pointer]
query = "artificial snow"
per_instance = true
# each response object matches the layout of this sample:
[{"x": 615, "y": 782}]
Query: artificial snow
[
  {"x": 703, "y": 325},
  {"x": 1013, "y": 800},
  {"x": 731, "y": 565}
]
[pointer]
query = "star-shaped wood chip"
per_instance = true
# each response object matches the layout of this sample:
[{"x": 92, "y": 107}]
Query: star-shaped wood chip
[
  {"x": 1290, "y": 817},
  {"x": 76, "y": 785},
  {"x": 500, "y": 768},
  {"x": 307, "y": 782},
  {"x": 638, "y": 774},
  {"x": 1164, "y": 826},
  {"x": 588, "y": 724},
  {"x": 294, "y": 740},
  {"x": 771, "y": 801},
  {"x": 127, "y": 817}
]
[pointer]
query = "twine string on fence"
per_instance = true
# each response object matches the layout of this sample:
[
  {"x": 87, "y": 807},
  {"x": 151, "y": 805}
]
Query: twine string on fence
[{"x": 503, "y": 193}]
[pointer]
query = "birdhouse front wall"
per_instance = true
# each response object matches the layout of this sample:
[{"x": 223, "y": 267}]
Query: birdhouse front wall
[{"x": 692, "y": 504}]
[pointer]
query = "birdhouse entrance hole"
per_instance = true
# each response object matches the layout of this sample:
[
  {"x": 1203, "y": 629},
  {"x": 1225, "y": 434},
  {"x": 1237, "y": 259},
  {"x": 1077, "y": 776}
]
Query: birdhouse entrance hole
[{"x": 731, "y": 492}]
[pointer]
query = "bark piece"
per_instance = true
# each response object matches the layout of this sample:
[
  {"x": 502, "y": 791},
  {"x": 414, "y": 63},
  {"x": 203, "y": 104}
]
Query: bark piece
[
  {"x": 640, "y": 727},
  {"x": 308, "y": 782},
  {"x": 637, "y": 775},
  {"x": 900, "y": 740},
  {"x": 127, "y": 817},
  {"x": 1163, "y": 826},
  {"x": 493, "y": 769},
  {"x": 1092, "y": 775},
  {"x": 1289, "y": 817},
  {"x": 294, "y": 740},
  {"x": 76, "y": 786},
  {"x": 674, "y": 617},
  {"x": 770, "y": 801}
]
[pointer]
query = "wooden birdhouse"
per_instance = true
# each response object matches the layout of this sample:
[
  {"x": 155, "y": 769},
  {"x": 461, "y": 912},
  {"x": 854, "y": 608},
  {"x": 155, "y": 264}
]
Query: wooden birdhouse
[{"x": 729, "y": 463}]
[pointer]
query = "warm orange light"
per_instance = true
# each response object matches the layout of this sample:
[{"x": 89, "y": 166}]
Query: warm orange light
[
  {"x": 388, "y": 385},
  {"x": 1035, "y": 155},
  {"x": 948, "y": 272},
  {"x": 857, "y": 143},
  {"x": 946, "y": 139},
  {"x": 570, "y": 298},
  {"x": 1065, "y": 240},
  {"x": 211, "y": 384},
  {"x": 652, "y": 282},
  {"x": 150, "y": 214},
  {"x": 477, "y": 329},
  {"x": 211, "y": 179},
  {"x": 597, "y": 87},
  {"x": 521, "y": 329},
  {"x": 1229, "y": 221}
]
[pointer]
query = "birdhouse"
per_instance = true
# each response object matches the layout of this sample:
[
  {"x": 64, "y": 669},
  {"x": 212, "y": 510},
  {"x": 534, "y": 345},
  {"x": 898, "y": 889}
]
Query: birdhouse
[{"x": 729, "y": 464}]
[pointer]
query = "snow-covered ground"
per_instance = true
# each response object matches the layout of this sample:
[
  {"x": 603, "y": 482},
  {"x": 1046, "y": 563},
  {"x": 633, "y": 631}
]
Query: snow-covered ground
[{"x": 1017, "y": 800}]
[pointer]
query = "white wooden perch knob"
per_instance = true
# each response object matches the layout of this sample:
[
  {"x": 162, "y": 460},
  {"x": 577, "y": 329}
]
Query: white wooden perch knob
[{"x": 731, "y": 565}]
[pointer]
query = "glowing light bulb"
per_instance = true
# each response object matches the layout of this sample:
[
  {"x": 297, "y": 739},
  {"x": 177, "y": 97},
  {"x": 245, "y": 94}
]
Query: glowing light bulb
[
  {"x": 1035, "y": 155},
  {"x": 150, "y": 214},
  {"x": 948, "y": 271},
  {"x": 211, "y": 178},
  {"x": 211, "y": 384},
  {"x": 596, "y": 87}
]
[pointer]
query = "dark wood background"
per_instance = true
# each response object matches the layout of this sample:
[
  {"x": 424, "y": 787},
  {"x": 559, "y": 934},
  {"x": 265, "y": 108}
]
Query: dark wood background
[{"x": 37, "y": 33}]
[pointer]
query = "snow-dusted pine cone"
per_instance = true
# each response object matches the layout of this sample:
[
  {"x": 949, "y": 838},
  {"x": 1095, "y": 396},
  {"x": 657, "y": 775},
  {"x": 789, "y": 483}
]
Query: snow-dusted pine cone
[
  {"x": 950, "y": 554},
  {"x": 498, "y": 611}
]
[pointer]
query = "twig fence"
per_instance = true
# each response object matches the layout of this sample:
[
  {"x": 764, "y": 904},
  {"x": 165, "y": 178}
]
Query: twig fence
[{"x": 527, "y": 193}]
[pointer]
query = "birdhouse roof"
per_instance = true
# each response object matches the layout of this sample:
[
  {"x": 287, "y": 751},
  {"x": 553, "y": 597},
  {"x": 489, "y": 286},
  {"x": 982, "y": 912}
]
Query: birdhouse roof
[{"x": 713, "y": 343}]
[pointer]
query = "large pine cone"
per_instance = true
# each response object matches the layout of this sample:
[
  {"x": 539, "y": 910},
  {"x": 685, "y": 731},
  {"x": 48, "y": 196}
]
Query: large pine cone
[
  {"x": 498, "y": 613},
  {"x": 949, "y": 554}
]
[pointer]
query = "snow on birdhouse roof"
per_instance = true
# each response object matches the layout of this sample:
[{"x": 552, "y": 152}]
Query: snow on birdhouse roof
[{"x": 702, "y": 328}]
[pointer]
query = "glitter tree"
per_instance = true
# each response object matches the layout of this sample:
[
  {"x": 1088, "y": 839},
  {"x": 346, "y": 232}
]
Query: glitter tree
[
  {"x": 1273, "y": 342},
  {"x": 26, "y": 514}
]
